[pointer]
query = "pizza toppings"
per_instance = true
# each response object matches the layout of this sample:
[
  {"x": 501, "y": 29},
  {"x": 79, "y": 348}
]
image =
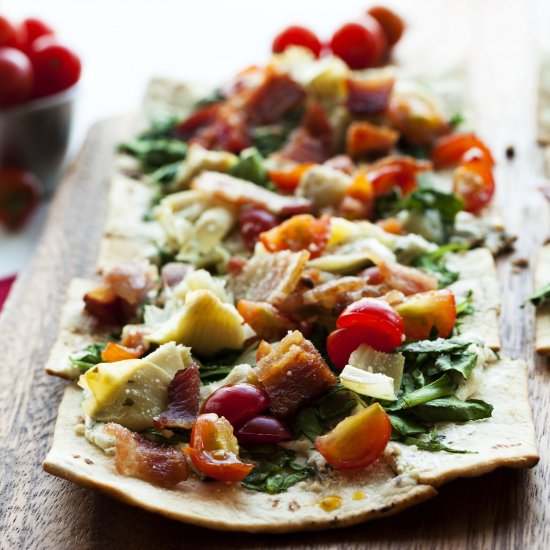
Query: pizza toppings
[
  {"x": 293, "y": 373},
  {"x": 138, "y": 457}
]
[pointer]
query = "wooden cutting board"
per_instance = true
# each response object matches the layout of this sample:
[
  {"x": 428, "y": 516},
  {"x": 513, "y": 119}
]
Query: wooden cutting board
[{"x": 505, "y": 509}]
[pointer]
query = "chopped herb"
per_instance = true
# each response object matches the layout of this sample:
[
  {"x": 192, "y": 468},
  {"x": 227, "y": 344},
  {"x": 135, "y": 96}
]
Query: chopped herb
[
  {"x": 154, "y": 153},
  {"x": 434, "y": 263},
  {"x": 539, "y": 297},
  {"x": 165, "y": 174},
  {"x": 89, "y": 357}
]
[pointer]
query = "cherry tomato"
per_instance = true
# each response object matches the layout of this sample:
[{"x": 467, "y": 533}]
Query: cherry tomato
[
  {"x": 288, "y": 180},
  {"x": 422, "y": 312},
  {"x": 16, "y": 77},
  {"x": 396, "y": 172},
  {"x": 214, "y": 449},
  {"x": 56, "y": 68},
  {"x": 18, "y": 197},
  {"x": 254, "y": 221},
  {"x": 302, "y": 232},
  {"x": 8, "y": 34},
  {"x": 473, "y": 181},
  {"x": 360, "y": 45},
  {"x": 392, "y": 25},
  {"x": 263, "y": 429},
  {"x": 449, "y": 150},
  {"x": 297, "y": 36},
  {"x": 356, "y": 441},
  {"x": 237, "y": 402},
  {"x": 30, "y": 30},
  {"x": 115, "y": 352}
]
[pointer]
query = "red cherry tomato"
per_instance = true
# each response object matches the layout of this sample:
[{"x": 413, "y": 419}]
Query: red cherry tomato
[
  {"x": 19, "y": 193},
  {"x": 255, "y": 221},
  {"x": 297, "y": 36},
  {"x": 360, "y": 45},
  {"x": 214, "y": 449},
  {"x": 56, "y": 68},
  {"x": 426, "y": 310},
  {"x": 393, "y": 172},
  {"x": 263, "y": 429},
  {"x": 16, "y": 77},
  {"x": 30, "y": 30},
  {"x": 342, "y": 342},
  {"x": 237, "y": 402},
  {"x": 356, "y": 441},
  {"x": 8, "y": 34},
  {"x": 375, "y": 315},
  {"x": 449, "y": 150},
  {"x": 392, "y": 25}
]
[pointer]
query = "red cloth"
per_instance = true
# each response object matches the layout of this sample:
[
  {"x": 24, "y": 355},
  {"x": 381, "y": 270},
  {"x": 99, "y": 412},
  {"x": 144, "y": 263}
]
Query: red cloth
[{"x": 5, "y": 285}]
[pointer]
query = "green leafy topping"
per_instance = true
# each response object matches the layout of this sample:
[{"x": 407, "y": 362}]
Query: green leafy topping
[
  {"x": 161, "y": 128},
  {"x": 155, "y": 153},
  {"x": 539, "y": 297},
  {"x": 427, "y": 198},
  {"x": 165, "y": 174},
  {"x": 251, "y": 167},
  {"x": 401, "y": 425},
  {"x": 213, "y": 373},
  {"x": 444, "y": 385},
  {"x": 215, "y": 96},
  {"x": 89, "y": 357},
  {"x": 431, "y": 444},
  {"x": 164, "y": 437},
  {"x": 456, "y": 120},
  {"x": 434, "y": 262},
  {"x": 464, "y": 305},
  {"x": 452, "y": 409},
  {"x": 276, "y": 471}
]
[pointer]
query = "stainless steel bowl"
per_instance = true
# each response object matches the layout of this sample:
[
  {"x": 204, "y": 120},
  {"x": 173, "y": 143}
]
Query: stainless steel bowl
[{"x": 35, "y": 136}]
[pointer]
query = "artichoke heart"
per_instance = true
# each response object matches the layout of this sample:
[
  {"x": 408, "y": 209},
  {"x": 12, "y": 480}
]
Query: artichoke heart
[
  {"x": 343, "y": 264},
  {"x": 130, "y": 393},
  {"x": 171, "y": 358},
  {"x": 205, "y": 324}
]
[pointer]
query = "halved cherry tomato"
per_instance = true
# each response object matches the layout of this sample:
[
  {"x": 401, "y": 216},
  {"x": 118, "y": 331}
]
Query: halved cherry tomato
[
  {"x": 237, "y": 402},
  {"x": 214, "y": 449},
  {"x": 393, "y": 172},
  {"x": 115, "y": 352},
  {"x": 356, "y": 441},
  {"x": 296, "y": 35},
  {"x": 473, "y": 181},
  {"x": 263, "y": 429},
  {"x": 16, "y": 77},
  {"x": 56, "y": 68},
  {"x": 8, "y": 34},
  {"x": 427, "y": 310},
  {"x": 449, "y": 150},
  {"x": 288, "y": 180},
  {"x": 392, "y": 25},
  {"x": 360, "y": 45},
  {"x": 255, "y": 221},
  {"x": 30, "y": 30},
  {"x": 302, "y": 232},
  {"x": 19, "y": 194}
]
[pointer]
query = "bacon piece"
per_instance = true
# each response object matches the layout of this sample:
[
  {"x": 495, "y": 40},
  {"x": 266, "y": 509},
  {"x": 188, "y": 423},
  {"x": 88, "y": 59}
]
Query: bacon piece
[
  {"x": 269, "y": 277},
  {"x": 183, "y": 400},
  {"x": 408, "y": 280},
  {"x": 293, "y": 373},
  {"x": 270, "y": 101},
  {"x": 235, "y": 265},
  {"x": 240, "y": 192},
  {"x": 317, "y": 123},
  {"x": 365, "y": 138},
  {"x": 199, "y": 119},
  {"x": 106, "y": 307},
  {"x": 131, "y": 281},
  {"x": 369, "y": 97},
  {"x": 138, "y": 457},
  {"x": 266, "y": 320},
  {"x": 173, "y": 273},
  {"x": 302, "y": 147},
  {"x": 327, "y": 294}
]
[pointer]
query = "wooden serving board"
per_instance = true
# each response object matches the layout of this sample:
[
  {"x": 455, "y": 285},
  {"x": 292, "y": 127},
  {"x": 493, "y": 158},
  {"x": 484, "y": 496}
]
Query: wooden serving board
[{"x": 505, "y": 509}]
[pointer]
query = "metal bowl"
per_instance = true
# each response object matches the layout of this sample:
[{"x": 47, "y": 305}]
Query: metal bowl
[{"x": 35, "y": 135}]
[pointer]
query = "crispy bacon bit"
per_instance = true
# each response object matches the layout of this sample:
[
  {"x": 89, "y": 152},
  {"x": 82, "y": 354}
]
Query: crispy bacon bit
[
  {"x": 328, "y": 294},
  {"x": 131, "y": 281},
  {"x": 293, "y": 373},
  {"x": 270, "y": 101},
  {"x": 266, "y": 320},
  {"x": 302, "y": 147},
  {"x": 135, "y": 456},
  {"x": 363, "y": 138},
  {"x": 183, "y": 400},
  {"x": 408, "y": 280},
  {"x": 240, "y": 192},
  {"x": 369, "y": 97},
  {"x": 317, "y": 123},
  {"x": 269, "y": 277},
  {"x": 106, "y": 307},
  {"x": 173, "y": 273},
  {"x": 235, "y": 265},
  {"x": 199, "y": 119}
]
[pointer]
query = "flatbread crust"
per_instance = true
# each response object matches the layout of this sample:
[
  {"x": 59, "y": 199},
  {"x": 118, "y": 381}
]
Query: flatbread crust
[{"x": 542, "y": 277}]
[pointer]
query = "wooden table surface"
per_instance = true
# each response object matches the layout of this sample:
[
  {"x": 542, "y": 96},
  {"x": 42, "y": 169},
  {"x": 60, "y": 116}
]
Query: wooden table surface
[{"x": 505, "y": 509}]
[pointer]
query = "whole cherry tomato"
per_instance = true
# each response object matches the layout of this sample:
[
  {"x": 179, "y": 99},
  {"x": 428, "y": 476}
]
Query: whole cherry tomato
[
  {"x": 19, "y": 193},
  {"x": 8, "y": 34},
  {"x": 427, "y": 310},
  {"x": 253, "y": 222},
  {"x": 237, "y": 402},
  {"x": 297, "y": 36},
  {"x": 16, "y": 77},
  {"x": 449, "y": 150},
  {"x": 56, "y": 68},
  {"x": 263, "y": 429},
  {"x": 360, "y": 45},
  {"x": 30, "y": 30},
  {"x": 356, "y": 441},
  {"x": 392, "y": 25},
  {"x": 214, "y": 449}
]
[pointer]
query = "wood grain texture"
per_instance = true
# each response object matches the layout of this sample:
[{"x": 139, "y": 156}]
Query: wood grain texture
[{"x": 506, "y": 509}]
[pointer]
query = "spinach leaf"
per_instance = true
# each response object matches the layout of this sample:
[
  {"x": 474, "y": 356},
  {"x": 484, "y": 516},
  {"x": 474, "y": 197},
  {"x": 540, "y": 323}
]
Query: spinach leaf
[
  {"x": 213, "y": 373},
  {"x": 250, "y": 167},
  {"x": 434, "y": 263},
  {"x": 432, "y": 444},
  {"x": 428, "y": 198},
  {"x": 89, "y": 357},
  {"x": 452, "y": 409},
  {"x": 436, "y": 346},
  {"x": 539, "y": 297},
  {"x": 276, "y": 470},
  {"x": 445, "y": 385},
  {"x": 402, "y": 425},
  {"x": 456, "y": 120},
  {"x": 154, "y": 153},
  {"x": 464, "y": 306},
  {"x": 462, "y": 363},
  {"x": 165, "y": 174}
]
